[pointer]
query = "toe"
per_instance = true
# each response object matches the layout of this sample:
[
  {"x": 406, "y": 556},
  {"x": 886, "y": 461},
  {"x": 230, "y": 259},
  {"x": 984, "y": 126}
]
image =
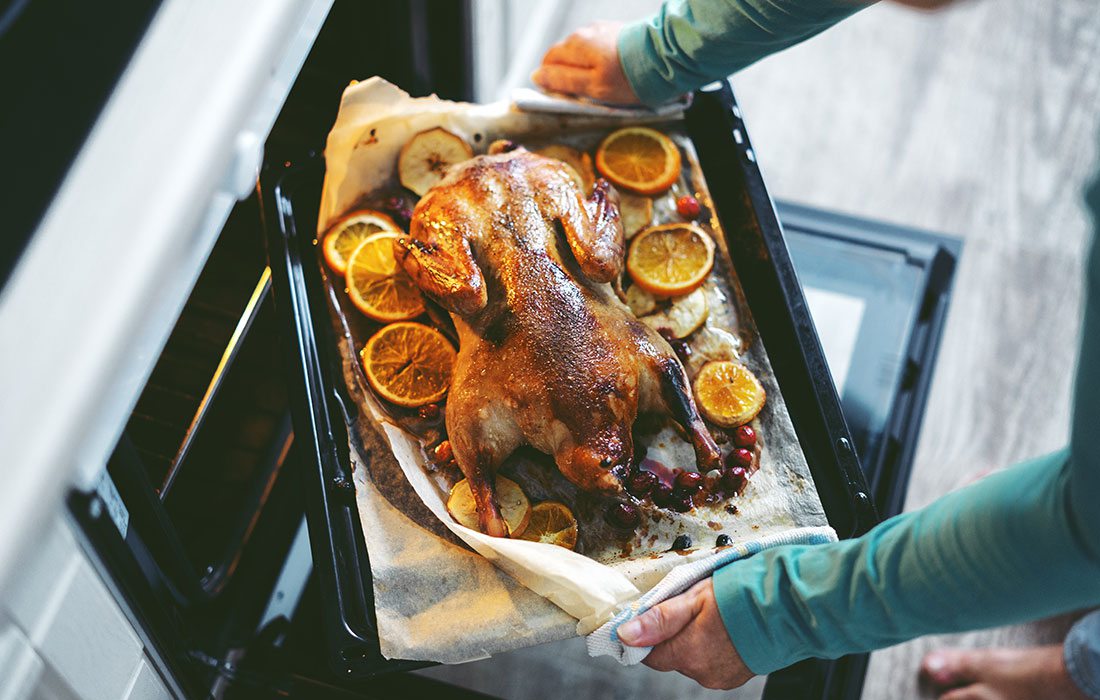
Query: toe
[
  {"x": 977, "y": 691},
  {"x": 946, "y": 667}
]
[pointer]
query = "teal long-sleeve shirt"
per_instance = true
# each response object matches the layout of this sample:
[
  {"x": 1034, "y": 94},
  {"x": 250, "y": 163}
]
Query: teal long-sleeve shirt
[{"x": 1021, "y": 544}]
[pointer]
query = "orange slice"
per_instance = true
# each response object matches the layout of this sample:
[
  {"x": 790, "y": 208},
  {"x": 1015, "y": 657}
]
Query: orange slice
[
  {"x": 728, "y": 394},
  {"x": 670, "y": 260},
  {"x": 409, "y": 364},
  {"x": 580, "y": 164},
  {"x": 639, "y": 159},
  {"x": 552, "y": 523},
  {"x": 377, "y": 285},
  {"x": 345, "y": 235},
  {"x": 513, "y": 504},
  {"x": 424, "y": 159}
]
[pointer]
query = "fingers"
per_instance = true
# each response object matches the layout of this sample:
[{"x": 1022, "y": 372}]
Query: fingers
[
  {"x": 586, "y": 63},
  {"x": 698, "y": 647},
  {"x": 567, "y": 53},
  {"x": 669, "y": 655},
  {"x": 661, "y": 622},
  {"x": 557, "y": 77}
]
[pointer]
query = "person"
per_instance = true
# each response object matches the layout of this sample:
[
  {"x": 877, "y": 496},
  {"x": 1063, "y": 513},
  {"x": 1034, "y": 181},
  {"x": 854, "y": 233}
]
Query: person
[{"x": 1018, "y": 545}]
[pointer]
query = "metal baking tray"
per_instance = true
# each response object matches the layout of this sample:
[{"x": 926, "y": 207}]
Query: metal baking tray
[{"x": 323, "y": 411}]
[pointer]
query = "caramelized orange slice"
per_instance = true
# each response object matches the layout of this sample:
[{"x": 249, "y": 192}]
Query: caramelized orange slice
[
  {"x": 345, "y": 235},
  {"x": 552, "y": 523},
  {"x": 409, "y": 364},
  {"x": 670, "y": 260},
  {"x": 639, "y": 159},
  {"x": 728, "y": 394}
]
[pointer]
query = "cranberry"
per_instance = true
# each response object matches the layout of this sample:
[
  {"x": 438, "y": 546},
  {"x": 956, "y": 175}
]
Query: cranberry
[
  {"x": 735, "y": 479},
  {"x": 682, "y": 504},
  {"x": 641, "y": 483},
  {"x": 662, "y": 495},
  {"x": 688, "y": 207},
  {"x": 623, "y": 515},
  {"x": 681, "y": 542},
  {"x": 740, "y": 457},
  {"x": 723, "y": 541},
  {"x": 688, "y": 482},
  {"x": 429, "y": 412},
  {"x": 395, "y": 203},
  {"x": 744, "y": 436},
  {"x": 678, "y": 345}
]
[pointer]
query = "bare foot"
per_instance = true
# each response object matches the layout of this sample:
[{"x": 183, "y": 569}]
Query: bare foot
[{"x": 1000, "y": 674}]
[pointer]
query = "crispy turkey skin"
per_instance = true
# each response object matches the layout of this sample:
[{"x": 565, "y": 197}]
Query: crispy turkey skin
[{"x": 548, "y": 355}]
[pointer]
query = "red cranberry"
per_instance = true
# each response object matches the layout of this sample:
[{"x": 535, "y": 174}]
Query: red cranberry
[
  {"x": 682, "y": 504},
  {"x": 662, "y": 495},
  {"x": 394, "y": 203},
  {"x": 623, "y": 515},
  {"x": 688, "y": 207},
  {"x": 688, "y": 482},
  {"x": 678, "y": 345},
  {"x": 740, "y": 457},
  {"x": 735, "y": 479},
  {"x": 641, "y": 483},
  {"x": 429, "y": 411},
  {"x": 744, "y": 436}
]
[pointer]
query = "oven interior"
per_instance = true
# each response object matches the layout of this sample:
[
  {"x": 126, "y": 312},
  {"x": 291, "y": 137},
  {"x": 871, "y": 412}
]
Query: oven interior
[{"x": 241, "y": 555}]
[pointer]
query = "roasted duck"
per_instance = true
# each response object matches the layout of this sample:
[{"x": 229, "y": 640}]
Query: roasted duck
[{"x": 548, "y": 355}]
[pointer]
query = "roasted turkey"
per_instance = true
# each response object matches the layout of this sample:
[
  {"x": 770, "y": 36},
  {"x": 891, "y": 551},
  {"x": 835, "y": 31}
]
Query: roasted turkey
[{"x": 548, "y": 355}]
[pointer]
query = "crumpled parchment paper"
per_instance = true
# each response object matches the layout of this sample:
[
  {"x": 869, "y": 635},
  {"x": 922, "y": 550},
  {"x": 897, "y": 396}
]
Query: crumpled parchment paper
[{"x": 434, "y": 598}]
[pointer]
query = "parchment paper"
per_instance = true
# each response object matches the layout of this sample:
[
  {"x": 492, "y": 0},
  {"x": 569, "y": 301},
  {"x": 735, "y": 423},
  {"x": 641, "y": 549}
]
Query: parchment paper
[{"x": 434, "y": 598}]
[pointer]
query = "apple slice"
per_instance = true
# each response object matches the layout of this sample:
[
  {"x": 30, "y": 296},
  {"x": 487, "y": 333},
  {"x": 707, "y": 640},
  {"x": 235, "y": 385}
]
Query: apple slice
[
  {"x": 424, "y": 160},
  {"x": 513, "y": 504},
  {"x": 636, "y": 211},
  {"x": 640, "y": 301},
  {"x": 683, "y": 317}
]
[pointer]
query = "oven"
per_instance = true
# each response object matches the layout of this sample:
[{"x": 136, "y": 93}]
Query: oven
[{"x": 183, "y": 522}]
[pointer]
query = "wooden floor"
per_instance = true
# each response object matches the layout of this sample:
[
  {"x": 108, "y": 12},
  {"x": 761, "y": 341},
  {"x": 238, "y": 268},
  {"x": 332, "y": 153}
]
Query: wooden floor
[{"x": 983, "y": 122}]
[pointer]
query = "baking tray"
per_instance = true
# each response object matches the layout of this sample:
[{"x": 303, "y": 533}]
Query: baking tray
[{"x": 322, "y": 409}]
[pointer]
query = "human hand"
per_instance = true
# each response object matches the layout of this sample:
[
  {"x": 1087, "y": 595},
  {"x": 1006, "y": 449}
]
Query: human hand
[
  {"x": 586, "y": 64},
  {"x": 687, "y": 635}
]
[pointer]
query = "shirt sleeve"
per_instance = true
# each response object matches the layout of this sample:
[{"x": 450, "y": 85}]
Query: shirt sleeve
[
  {"x": 1018, "y": 545},
  {"x": 690, "y": 43}
]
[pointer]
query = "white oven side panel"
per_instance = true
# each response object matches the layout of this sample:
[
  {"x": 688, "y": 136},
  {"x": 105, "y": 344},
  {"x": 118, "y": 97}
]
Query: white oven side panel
[
  {"x": 62, "y": 633},
  {"x": 88, "y": 308}
]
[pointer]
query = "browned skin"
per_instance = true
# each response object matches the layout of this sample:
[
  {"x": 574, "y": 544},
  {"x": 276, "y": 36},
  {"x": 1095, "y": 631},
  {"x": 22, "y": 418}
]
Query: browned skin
[{"x": 548, "y": 356}]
